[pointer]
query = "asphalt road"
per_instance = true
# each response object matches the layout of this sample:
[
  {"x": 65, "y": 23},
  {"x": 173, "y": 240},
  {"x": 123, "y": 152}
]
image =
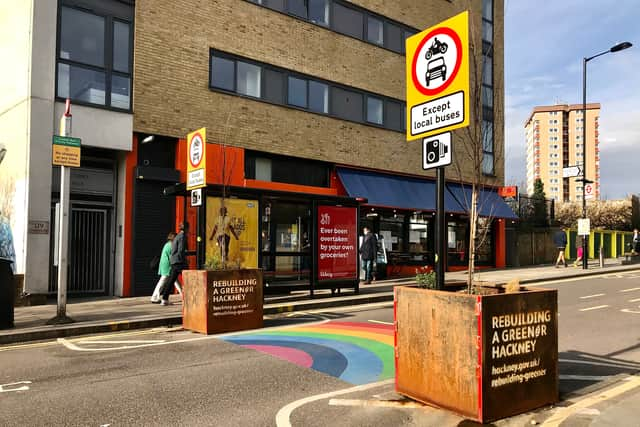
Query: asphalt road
[{"x": 171, "y": 377}]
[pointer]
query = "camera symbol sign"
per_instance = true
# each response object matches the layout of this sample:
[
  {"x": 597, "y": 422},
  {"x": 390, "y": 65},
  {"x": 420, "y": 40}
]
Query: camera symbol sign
[{"x": 436, "y": 151}]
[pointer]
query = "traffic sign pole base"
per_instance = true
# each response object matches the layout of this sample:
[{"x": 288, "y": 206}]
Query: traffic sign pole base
[{"x": 60, "y": 320}]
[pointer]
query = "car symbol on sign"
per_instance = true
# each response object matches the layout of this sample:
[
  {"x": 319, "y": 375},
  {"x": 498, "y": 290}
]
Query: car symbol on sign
[{"x": 436, "y": 68}]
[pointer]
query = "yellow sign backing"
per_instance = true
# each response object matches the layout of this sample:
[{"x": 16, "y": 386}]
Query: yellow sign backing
[
  {"x": 197, "y": 159},
  {"x": 438, "y": 78}
]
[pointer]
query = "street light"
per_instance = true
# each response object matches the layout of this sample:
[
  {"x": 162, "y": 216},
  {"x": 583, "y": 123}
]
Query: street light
[{"x": 616, "y": 48}]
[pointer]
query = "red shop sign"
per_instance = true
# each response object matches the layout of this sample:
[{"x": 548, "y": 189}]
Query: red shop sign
[{"x": 337, "y": 243}]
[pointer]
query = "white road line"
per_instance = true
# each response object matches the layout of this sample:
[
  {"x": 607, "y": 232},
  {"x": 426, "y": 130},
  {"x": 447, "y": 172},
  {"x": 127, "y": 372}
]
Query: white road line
[
  {"x": 377, "y": 403},
  {"x": 626, "y": 310},
  {"x": 634, "y": 300},
  {"x": 284, "y": 414},
  {"x": 594, "y": 308},
  {"x": 600, "y": 396},
  {"x": 630, "y": 290},
  {"x": 380, "y": 322},
  {"x": 12, "y": 386},
  {"x": 120, "y": 342},
  {"x": 592, "y": 296}
]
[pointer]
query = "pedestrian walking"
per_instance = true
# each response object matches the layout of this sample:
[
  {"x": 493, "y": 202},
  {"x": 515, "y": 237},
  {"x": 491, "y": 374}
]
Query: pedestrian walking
[
  {"x": 164, "y": 269},
  {"x": 177, "y": 260},
  {"x": 560, "y": 240},
  {"x": 368, "y": 250},
  {"x": 635, "y": 242},
  {"x": 579, "y": 251}
]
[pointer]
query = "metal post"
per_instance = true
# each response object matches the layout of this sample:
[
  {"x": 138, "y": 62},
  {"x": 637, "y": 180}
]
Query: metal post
[
  {"x": 585, "y": 254},
  {"x": 63, "y": 232},
  {"x": 441, "y": 243}
]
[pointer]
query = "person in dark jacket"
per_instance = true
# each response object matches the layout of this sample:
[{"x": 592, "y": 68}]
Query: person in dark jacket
[
  {"x": 368, "y": 251},
  {"x": 560, "y": 240},
  {"x": 178, "y": 261}
]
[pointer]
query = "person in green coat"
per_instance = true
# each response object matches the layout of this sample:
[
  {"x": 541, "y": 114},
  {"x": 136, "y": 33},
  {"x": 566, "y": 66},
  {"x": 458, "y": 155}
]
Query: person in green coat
[{"x": 164, "y": 269}]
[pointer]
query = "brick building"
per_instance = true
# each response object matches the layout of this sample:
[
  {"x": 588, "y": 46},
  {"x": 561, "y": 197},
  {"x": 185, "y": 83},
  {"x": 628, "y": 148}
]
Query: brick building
[{"x": 303, "y": 101}]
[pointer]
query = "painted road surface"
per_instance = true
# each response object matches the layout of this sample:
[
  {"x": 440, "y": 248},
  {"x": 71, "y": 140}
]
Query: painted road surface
[{"x": 355, "y": 352}]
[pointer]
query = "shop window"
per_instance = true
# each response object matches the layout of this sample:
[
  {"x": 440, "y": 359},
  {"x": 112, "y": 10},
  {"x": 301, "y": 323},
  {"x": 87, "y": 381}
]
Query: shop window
[
  {"x": 419, "y": 234},
  {"x": 94, "y": 54},
  {"x": 484, "y": 242},
  {"x": 457, "y": 237},
  {"x": 392, "y": 231},
  {"x": 348, "y": 21}
]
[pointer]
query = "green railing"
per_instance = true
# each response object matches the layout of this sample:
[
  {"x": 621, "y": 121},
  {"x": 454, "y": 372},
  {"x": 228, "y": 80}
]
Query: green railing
[{"x": 614, "y": 243}]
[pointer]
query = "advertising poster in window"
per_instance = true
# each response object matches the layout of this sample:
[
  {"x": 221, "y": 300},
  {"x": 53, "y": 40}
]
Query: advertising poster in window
[
  {"x": 232, "y": 232},
  {"x": 337, "y": 243}
]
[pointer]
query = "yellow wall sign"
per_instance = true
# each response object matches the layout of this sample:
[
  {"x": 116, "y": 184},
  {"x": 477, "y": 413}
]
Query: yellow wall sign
[
  {"x": 438, "y": 78},
  {"x": 66, "y": 151},
  {"x": 197, "y": 159}
]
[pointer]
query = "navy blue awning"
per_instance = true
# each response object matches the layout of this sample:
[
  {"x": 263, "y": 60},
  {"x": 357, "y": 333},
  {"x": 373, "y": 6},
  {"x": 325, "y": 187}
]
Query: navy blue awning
[
  {"x": 402, "y": 192},
  {"x": 490, "y": 204}
]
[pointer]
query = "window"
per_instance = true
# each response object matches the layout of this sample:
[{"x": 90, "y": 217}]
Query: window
[
  {"x": 248, "y": 79},
  {"x": 346, "y": 104},
  {"x": 267, "y": 167},
  {"x": 223, "y": 73},
  {"x": 318, "y": 97},
  {"x": 375, "y": 30},
  {"x": 273, "y": 86},
  {"x": 374, "y": 110},
  {"x": 487, "y": 71},
  {"x": 297, "y": 8},
  {"x": 319, "y": 12},
  {"x": 94, "y": 55},
  {"x": 348, "y": 21},
  {"x": 487, "y": 148},
  {"x": 297, "y": 92},
  {"x": 394, "y": 37},
  {"x": 279, "y": 86},
  {"x": 487, "y": 31}
]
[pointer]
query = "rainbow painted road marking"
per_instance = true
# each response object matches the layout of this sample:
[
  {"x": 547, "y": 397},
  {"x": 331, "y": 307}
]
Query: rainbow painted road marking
[{"x": 358, "y": 353}]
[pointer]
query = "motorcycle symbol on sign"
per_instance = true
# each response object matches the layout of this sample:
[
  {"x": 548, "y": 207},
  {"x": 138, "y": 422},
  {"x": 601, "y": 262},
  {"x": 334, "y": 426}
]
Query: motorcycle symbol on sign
[{"x": 436, "y": 47}]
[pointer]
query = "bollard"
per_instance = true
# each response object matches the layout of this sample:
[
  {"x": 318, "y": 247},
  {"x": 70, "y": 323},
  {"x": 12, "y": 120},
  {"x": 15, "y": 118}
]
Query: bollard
[{"x": 601, "y": 257}]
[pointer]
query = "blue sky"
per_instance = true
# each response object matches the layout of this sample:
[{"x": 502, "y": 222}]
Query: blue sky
[{"x": 544, "y": 46}]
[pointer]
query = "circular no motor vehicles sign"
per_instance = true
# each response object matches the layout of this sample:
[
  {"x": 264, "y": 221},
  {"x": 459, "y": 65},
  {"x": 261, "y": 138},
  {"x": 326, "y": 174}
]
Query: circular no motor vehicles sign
[
  {"x": 196, "y": 150},
  {"x": 436, "y": 61}
]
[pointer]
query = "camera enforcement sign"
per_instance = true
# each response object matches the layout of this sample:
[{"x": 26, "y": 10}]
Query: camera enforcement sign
[
  {"x": 436, "y": 151},
  {"x": 196, "y": 159},
  {"x": 437, "y": 71}
]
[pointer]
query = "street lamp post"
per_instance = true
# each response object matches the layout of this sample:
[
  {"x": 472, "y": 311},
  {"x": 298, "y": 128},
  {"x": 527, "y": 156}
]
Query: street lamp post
[{"x": 616, "y": 48}]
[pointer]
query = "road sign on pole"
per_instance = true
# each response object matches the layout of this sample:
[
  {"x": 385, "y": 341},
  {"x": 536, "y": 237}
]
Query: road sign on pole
[
  {"x": 196, "y": 197},
  {"x": 197, "y": 159},
  {"x": 589, "y": 191},
  {"x": 584, "y": 226},
  {"x": 571, "y": 171},
  {"x": 436, "y": 151},
  {"x": 437, "y": 74}
]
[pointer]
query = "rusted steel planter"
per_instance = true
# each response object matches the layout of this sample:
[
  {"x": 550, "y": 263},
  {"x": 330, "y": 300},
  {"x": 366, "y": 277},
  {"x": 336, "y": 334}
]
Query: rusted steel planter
[
  {"x": 222, "y": 301},
  {"x": 485, "y": 357}
]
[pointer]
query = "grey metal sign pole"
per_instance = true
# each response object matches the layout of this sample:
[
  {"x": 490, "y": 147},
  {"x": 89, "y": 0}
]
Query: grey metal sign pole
[
  {"x": 63, "y": 232},
  {"x": 441, "y": 243}
]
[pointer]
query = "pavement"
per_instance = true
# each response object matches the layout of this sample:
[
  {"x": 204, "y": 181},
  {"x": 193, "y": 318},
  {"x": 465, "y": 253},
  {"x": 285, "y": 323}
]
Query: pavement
[{"x": 109, "y": 314}]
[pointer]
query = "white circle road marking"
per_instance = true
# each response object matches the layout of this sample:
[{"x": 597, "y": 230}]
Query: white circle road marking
[{"x": 284, "y": 414}]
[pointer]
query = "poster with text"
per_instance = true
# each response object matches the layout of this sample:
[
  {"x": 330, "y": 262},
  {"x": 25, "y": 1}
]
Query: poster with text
[
  {"x": 232, "y": 232},
  {"x": 337, "y": 243}
]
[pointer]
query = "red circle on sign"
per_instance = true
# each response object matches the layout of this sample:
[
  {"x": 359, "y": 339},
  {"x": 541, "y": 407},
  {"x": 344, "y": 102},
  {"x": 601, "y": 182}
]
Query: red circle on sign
[
  {"x": 588, "y": 189},
  {"x": 195, "y": 165},
  {"x": 446, "y": 31}
]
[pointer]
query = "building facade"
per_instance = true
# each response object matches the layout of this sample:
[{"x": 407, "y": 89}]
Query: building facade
[
  {"x": 554, "y": 141},
  {"x": 303, "y": 101}
]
